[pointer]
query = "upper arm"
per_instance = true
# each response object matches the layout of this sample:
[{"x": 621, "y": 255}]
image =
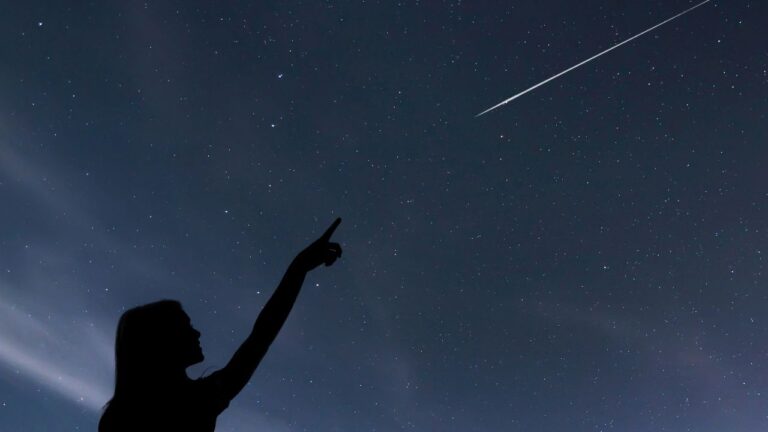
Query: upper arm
[{"x": 228, "y": 381}]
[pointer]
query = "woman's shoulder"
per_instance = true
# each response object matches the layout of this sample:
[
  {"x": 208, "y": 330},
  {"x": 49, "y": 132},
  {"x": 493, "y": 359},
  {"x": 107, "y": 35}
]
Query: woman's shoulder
[
  {"x": 119, "y": 417},
  {"x": 107, "y": 422}
]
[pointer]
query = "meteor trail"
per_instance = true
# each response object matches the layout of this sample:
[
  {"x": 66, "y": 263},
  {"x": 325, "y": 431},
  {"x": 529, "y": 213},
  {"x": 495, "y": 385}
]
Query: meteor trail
[{"x": 591, "y": 58}]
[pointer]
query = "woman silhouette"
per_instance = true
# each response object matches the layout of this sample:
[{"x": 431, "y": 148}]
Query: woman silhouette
[{"x": 156, "y": 343}]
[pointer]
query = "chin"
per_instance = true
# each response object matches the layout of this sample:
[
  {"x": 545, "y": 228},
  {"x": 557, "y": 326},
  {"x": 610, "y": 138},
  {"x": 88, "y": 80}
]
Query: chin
[{"x": 195, "y": 358}]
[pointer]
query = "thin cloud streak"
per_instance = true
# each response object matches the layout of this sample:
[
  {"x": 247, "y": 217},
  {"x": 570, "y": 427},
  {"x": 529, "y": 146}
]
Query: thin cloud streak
[{"x": 63, "y": 375}]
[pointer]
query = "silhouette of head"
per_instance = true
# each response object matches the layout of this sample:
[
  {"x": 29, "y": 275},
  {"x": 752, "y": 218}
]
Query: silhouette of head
[
  {"x": 155, "y": 344},
  {"x": 155, "y": 340}
]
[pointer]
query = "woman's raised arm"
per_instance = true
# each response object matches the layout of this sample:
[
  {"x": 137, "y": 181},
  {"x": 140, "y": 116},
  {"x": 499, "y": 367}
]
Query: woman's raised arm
[{"x": 235, "y": 375}]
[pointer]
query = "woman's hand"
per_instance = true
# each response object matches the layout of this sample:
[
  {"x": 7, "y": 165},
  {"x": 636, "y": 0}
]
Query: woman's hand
[{"x": 321, "y": 251}]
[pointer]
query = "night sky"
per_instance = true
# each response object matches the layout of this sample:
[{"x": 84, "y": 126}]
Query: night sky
[{"x": 589, "y": 257}]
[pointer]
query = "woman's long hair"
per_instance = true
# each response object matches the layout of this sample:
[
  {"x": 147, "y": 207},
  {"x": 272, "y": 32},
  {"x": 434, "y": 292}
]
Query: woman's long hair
[{"x": 144, "y": 350}]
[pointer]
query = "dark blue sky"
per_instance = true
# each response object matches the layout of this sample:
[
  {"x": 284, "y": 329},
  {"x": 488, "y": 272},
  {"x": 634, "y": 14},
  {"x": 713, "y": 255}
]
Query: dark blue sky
[{"x": 589, "y": 257}]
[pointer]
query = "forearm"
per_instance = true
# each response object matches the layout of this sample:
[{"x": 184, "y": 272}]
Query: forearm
[
  {"x": 279, "y": 306},
  {"x": 242, "y": 365},
  {"x": 234, "y": 376}
]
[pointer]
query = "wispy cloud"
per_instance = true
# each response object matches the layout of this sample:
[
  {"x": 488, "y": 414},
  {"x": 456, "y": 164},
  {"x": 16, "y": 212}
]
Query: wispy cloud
[
  {"x": 41, "y": 336},
  {"x": 60, "y": 359}
]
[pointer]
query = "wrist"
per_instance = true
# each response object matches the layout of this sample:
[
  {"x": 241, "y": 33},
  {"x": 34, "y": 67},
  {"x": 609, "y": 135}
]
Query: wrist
[{"x": 298, "y": 266}]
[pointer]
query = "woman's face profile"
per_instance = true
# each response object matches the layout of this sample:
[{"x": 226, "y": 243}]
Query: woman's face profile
[{"x": 186, "y": 341}]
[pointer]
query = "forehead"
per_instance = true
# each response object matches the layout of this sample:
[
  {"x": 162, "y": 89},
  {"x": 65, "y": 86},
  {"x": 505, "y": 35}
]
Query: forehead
[{"x": 179, "y": 316}]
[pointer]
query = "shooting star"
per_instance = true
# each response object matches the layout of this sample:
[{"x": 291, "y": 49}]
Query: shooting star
[{"x": 591, "y": 58}]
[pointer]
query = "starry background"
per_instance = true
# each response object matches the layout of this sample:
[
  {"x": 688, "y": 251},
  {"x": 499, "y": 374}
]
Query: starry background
[{"x": 590, "y": 257}]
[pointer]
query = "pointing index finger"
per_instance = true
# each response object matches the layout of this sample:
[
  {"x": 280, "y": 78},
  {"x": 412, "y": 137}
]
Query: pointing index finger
[{"x": 329, "y": 232}]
